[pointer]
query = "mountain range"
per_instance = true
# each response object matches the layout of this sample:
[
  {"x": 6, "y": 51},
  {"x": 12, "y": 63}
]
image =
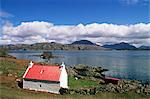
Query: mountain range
[
  {"x": 77, "y": 45},
  {"x": 51, "y": 46},
  {"x": 125, "y": 46}
]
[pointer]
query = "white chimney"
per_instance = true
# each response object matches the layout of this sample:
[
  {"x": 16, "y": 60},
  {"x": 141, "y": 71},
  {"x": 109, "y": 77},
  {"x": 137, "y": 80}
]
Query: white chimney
[
  {"x": 30, "y": 64},
  {"x": 63, "y": 77},
  {"x": 63, "y": 64}
]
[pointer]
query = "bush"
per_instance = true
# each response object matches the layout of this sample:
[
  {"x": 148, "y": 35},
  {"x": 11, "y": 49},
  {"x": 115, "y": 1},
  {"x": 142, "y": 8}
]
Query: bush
[{"x": 3, "y": 53}]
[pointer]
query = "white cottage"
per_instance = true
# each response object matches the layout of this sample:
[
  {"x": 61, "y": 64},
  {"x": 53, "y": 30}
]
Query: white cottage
[{"x": 45, "y": 78}]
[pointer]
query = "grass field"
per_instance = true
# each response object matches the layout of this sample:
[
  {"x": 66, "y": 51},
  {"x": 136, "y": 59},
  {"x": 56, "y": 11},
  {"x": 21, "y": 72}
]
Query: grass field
[
  {"x": 11, "y": 69},
  {"x": 75, "y": 84}
]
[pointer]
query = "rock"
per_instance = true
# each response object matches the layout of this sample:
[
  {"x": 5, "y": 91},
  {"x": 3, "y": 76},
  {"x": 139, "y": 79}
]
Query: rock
[
  {"x": 63, "y": 91},
  {"x": 83, "y": 92},
  {"x": 92, "y": 91},
  {"x": 98, "y": 69},
  {"x": 86, "y": 71},
  {"x": 97, "y": 75},
  {"x": 146, "y": 89},
  {"x": 80, "y": 67},
  {"x": 93, "y": 79},
  {"x": 101, "y": 81},
  {"x": 110, "y": 87},
  {"x": 71, "y": 71},
  {"x": 132, "y": 86},
  {"x": 101, "y": 88},
  {"x": 88, "y": 91},
  {"x": 71, "y": 92},
  {"x": 77, "y": 91},
  {"x": 47, "y": 55},
  {"x": 10, "y": 75},
  {"x": 119, "y": 90},
  {"x": 18, "y": 80},
  {"x": 138, "y": 91},
  {"x": 78, "y": 77}
]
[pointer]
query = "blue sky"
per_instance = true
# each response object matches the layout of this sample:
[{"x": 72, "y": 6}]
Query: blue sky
[
  {"x": 65, "y": 21},
  {"x": 77, "y": 11}
]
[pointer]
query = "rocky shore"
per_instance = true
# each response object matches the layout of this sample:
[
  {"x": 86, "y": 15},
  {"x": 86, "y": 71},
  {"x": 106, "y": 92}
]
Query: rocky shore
[
  {"x": 96, "y": 74},
  {"x": 122, "y": 87}
]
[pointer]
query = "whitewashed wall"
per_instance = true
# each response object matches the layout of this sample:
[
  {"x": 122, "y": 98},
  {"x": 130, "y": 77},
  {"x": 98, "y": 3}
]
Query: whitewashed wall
[
  {"x": 63, "y": 77},
  {"x": 52, "y": 87}
]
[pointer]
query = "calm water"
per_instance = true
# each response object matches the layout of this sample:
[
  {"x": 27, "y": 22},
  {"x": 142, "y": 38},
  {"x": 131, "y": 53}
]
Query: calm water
[{"x": 121, "y": 64}]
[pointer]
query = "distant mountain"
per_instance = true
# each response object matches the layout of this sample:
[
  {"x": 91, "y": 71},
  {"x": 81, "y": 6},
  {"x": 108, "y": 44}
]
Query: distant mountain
[
  {"x": 83, "y": 42},
  {"x": 144, "y": 48},
  {"x": 51, "y": 46},
  {"x": 120, "y": 46}
]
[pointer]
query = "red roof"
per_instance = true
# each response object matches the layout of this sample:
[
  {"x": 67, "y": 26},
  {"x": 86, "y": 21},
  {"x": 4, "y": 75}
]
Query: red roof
[
  {"x": 111, "y": 78},
  {"x": 38, "y": 72}
]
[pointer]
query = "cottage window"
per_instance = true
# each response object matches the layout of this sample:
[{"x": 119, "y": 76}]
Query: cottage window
[{"x": 40, "y": 85}]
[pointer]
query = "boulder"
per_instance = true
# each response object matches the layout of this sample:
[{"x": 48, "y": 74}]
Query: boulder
[
  {"x": 87, "y": 71},
  {"x": 92, "y": 91},
  {"x": 63, "y": 91},
  {"x": 80, "y": 67},
  {"x": 47, "y": 55},
  {"x": 110, "y": 87}
]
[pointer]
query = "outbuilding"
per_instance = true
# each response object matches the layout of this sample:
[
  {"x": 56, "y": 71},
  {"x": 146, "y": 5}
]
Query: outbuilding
[{"x": 45, "y": 78}]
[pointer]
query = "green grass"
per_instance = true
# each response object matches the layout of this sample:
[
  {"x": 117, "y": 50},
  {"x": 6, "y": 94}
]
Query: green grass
[
  {"x": 7, "y": 67},
  {"x": 10, "y": 67},
  {"x": 3, "y": 53},
  {"x": 21, "y": 72},
  {"x": 80, "y": 83}
]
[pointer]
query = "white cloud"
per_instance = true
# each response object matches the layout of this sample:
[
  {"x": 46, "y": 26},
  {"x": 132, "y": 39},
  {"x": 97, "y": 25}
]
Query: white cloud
[
  {"x": 132, "y": 2},
  {"x": 32, "y": 32}
]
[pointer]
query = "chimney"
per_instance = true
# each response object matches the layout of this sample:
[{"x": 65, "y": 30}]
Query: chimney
[
  {"x": 63, "y": 64},
  {"x": 30, "y": 64}
]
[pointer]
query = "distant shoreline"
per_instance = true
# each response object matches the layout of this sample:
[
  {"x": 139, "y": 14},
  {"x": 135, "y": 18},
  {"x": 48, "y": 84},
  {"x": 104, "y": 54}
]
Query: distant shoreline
[{"x": 78, "y": 46}]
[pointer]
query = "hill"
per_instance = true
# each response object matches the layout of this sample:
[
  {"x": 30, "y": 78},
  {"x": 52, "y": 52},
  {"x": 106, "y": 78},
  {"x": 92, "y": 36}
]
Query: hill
[
  {"x": 144, "y": 48},
  {"x": 83, "y": 42},
  {"x": 120, "y": 46}
]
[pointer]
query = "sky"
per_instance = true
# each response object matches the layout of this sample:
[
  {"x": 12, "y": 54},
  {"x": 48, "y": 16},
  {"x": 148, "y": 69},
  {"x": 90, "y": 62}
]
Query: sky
[{"x": 65, "y": 21}]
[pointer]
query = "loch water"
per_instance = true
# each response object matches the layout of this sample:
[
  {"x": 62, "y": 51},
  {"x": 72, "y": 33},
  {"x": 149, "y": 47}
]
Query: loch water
[{"x": 125, "y": 64}]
